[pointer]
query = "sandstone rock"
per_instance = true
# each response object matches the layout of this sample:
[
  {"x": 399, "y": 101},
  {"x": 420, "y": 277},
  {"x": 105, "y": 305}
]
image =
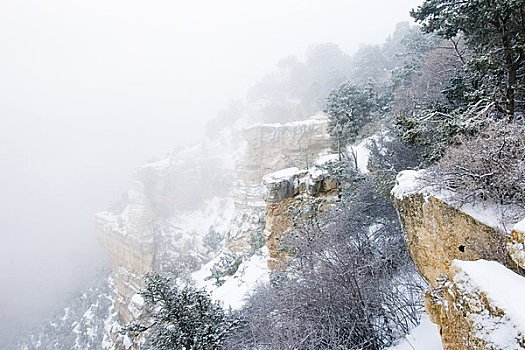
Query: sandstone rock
[
  {"x": 479, "y": 307},
  {"x": 278, "y": 223},
  {"x": 516, "y": 244},
  {"x": 437, "y": 233},
  {"x": 329, "y": 184},
  {"x": 287, "y": 191}
]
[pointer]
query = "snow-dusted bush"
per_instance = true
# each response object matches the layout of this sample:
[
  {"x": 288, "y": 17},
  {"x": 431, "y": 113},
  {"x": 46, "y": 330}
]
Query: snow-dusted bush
[
  {"x": 435, "y": 130},
  {"x": 490, "y": 166},
  {"x": 180, "y": 318},
  {"x": 349, "y": 285},
  {"x": 227, "y": 265}
]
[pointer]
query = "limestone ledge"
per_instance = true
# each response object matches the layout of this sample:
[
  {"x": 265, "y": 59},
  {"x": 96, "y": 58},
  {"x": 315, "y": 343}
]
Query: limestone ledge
[
  {"x": 288, "y": 189},
  {"x": 444, "y": 238},
  {"x": 479, "y": 307},
  {"x": 437, "y": 230}
]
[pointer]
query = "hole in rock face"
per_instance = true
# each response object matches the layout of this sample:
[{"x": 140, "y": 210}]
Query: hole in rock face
[{"x": 461, "y": 248}]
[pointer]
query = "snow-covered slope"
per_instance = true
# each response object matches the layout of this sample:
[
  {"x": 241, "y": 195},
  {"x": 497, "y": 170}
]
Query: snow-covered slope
[{"x": 423, "y": 337}]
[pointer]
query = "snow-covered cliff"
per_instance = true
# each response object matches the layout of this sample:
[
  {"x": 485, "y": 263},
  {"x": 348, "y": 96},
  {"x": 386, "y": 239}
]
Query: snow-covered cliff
[
  {"x": 200, "y": 213},
  {"x": 466, "y": 252}
]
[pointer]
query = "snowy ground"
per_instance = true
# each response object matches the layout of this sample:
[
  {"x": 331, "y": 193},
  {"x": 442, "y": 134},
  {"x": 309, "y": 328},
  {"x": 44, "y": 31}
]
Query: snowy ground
[
  {"x": 423, "y": 337},
  {"x": 236, "y": 288},
  {"x": 504, "y": 289}
]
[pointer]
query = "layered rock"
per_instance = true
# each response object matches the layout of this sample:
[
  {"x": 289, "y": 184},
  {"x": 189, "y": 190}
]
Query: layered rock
[
  {"x": 267, "y": 148},
  {"x": 270, "y": 147},
  {"x": 287, "y": 192},
  {"x": 445, "y": 242},
  {"x": 480, "y": 307},
  {"x": 128, "y": 238},
  {"x": 516, "y": 244},
  {"x": 209, "y": 192}
]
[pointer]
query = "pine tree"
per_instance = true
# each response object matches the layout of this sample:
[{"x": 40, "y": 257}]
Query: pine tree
[
  {"x": 495, "y": 33},
  {"x": 349, "y": 108},
  {"x": 180, "y": 318}
]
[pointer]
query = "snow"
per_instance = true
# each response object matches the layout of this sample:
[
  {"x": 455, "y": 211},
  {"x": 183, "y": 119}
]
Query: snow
[
  {"x": 66, "y": 314},
  {"x": 160, "y": 165},
  {"x": 423, "y": 337},
  {"x": 316, "y": 119},
  {"x": 503, "y": 287},
  {"x": 500, "y": 320},
  {"x": 278, "y": 176},
  {"x": 361, "y": 152},
  {"x": 138, "y": 300},
  {"x": 233, "y": 293},
  {"x": 127, "y": 342},
  {"x": 493, "y": 214},
  {"x": 327, "y": 158},
  {"x": 135, "y": 305},
  {"x": 407, "y": 182},
  {"x": 520, "y": 226},
  {"x": 217, "y": 212},
  {"x": 235, "y": 290}
]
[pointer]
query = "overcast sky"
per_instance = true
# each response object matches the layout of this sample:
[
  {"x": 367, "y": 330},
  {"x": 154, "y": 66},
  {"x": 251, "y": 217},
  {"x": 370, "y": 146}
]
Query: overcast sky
[{"x": 91, "y": 89}]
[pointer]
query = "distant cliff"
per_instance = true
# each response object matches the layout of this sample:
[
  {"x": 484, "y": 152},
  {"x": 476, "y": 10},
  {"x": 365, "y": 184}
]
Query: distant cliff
[{"x": 208, "y": 203}]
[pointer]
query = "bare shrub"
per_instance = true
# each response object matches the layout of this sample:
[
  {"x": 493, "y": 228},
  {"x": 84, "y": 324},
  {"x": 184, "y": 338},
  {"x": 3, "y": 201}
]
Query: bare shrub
[
  {"x": 350, "y": 284},
  {"x": 487, "y": 167}
]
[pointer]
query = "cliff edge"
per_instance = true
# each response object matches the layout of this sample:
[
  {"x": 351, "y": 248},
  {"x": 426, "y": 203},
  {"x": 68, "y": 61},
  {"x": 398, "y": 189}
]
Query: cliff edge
[{"x": 471, "y": 259}]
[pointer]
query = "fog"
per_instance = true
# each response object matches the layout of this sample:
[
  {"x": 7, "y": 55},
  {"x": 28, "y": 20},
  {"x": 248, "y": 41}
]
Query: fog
[{"x": 91, "y": 89}]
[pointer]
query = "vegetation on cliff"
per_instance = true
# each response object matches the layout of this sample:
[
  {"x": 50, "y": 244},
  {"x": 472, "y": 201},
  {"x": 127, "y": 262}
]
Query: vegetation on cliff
[
  {"x": 179, "y": 318},
  {"x": 450, "y": 95}
]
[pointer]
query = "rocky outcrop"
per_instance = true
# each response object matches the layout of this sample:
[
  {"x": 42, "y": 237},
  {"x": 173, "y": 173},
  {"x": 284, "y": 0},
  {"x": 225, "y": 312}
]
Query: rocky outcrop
[
  {"x": 460, "y": 250},
  {"x": 267, "y": 148},
  {"x": 516, "y": 244},
  {"x": 182, "y": 210},
  {"x": 293, "y": 195},
  {"x": 437, "y": 233},
  {"x": 270, "y": 147},
  {"x": 128, "y": 240},
  {"x": 479, "y": 307}
]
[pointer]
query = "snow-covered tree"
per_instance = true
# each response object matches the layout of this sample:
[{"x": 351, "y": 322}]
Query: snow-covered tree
[
  {"x": 349, "y": 108},
  {"x": 180, "y": 318},
  {"x": 495, "y": 32}
]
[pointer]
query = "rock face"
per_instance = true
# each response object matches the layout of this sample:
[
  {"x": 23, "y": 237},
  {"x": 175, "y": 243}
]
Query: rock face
[
  {"x": 267, "y": 148},
  {"x": 480, "y": 307},
  {"x": 128, "y": 239},
  {"x": 516, "y": 244},
  {"x": 446, "y": 244},
  {"x": 438, "y": 233},
  {"x": 287, "y": 191},
  {"x": 182, "y": 210},
  {"x": 271, "y": 147}
]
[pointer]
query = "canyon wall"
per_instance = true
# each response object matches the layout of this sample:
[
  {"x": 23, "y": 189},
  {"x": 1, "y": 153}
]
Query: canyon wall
[
  {"x": 182, "y": 211},
  {"x": 469, "y": 258}
]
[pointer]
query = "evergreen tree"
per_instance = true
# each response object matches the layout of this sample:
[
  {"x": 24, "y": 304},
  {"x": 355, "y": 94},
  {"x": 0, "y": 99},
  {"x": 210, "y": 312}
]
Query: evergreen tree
[
  {"x": 180, "y": 318},
  {"x": 349, "y": 108},
  {"x": 495, "y": 33}
]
